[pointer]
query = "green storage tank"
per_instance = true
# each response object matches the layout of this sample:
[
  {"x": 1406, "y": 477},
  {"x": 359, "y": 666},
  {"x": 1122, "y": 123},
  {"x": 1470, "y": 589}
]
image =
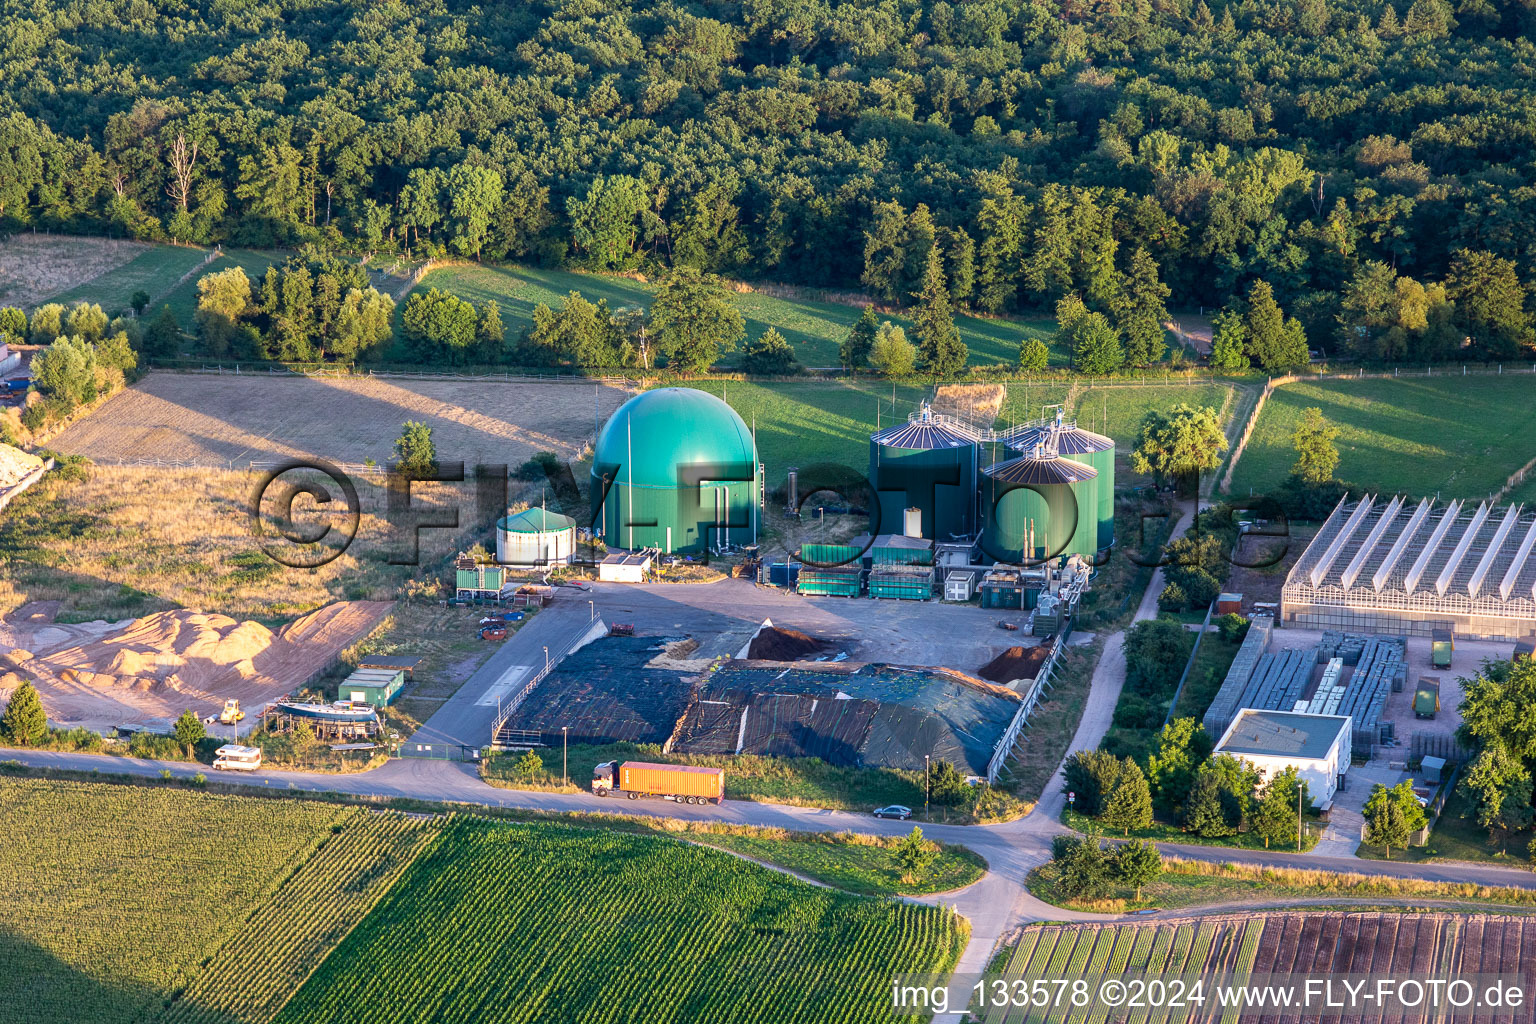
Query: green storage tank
[
  {"x": 1079, "y": 445},
  {"x": 930, "y": 464},
  {"x": 675, "y": 469},
  {"x": 1030, "y": 509}
]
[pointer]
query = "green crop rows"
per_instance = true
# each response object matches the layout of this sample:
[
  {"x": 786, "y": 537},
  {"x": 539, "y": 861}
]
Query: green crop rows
[
  {"x": 289, "y": 935},
  {"x": 111, "y": 896},
  {"x": 520, "y": 922},
  {"x": 1230, "y": 949}
]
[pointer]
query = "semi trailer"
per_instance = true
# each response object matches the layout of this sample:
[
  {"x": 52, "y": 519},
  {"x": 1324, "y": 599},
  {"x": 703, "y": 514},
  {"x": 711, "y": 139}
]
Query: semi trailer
[{"x": 685, "y": 783}]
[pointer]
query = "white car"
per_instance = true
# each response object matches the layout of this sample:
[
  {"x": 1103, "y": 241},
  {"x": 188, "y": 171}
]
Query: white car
[{"x": 896, "y": 811}]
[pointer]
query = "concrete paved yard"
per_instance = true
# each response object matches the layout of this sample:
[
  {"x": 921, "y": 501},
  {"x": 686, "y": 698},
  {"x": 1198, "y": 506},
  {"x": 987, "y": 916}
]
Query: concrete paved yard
[{"x": 961, "y": 637}]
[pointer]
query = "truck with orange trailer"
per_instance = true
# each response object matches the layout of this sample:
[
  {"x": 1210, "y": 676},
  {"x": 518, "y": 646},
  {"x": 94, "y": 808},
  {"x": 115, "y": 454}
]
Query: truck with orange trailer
[{"x": 685, "y": 783}]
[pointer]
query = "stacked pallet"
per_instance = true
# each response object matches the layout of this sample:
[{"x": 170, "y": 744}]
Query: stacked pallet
[{"x": 1228, "y": 699}]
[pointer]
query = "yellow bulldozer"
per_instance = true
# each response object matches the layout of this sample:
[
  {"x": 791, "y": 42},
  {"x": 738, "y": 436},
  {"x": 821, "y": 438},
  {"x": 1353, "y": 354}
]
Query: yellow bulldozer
[{"x": 231, "y": 713}]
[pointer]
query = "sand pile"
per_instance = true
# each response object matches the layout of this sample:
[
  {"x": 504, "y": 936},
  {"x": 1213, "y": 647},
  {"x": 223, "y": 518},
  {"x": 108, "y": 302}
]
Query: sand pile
[
  {"x": 158, "y": 666},
  {"x": 773, "y": 643},
  {"x": 15, "y": 464},
  {"x": 1015, "y": 663}
]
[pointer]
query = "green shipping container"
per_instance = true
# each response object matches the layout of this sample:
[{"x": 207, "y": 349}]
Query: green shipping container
[
  {"x": 828, "y": 584},
  {"x": 901, "y": 588}
]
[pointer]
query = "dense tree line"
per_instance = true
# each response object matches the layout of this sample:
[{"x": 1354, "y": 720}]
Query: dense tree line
[{"x": 1370, "y": 162}]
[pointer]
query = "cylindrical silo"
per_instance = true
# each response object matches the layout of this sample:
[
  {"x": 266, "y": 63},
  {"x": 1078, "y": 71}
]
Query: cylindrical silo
[
  {"x": 535, "y": 537},
  {"x": 1033, "y": 508},
  {"x": 930, "y": 465},
  {"x": 1096, "y": 450}
]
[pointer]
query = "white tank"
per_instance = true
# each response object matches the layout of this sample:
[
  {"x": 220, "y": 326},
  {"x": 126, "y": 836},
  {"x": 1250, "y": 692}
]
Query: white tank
[{"x": 535, "y": 537}]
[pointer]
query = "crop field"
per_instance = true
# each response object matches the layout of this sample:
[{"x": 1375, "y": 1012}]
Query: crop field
[
  {"x": 35, "y": 267},
  {"x": 1414, "y": 945},
  {"x": 502, "y": 922},
  {"x": 1459, "y": 437},
  {"x": 155, "y": 270},
  {"x": 111, "y": 896},
  {"x": 183, "y": 299},
  {"x": 292, "y": 932},
  {"x": 814, "y": 328},
  {"x": 224, "y": 419}
]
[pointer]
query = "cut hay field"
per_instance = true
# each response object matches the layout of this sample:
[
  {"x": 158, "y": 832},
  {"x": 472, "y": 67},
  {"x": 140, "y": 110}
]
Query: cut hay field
[
  {"x": 1458, "y": 437},
  {"x": 1273, "y": 945},
  {"x": 34, "y": 268},
  {"x": 129, "y": 541},
  {"x": 216, "y": 420},
  {"x": 815, "y": 328},
  {"x": 155, "y": 270},
  {"x": 129, "y": 903},
  {"x": 539, "y": 922}
]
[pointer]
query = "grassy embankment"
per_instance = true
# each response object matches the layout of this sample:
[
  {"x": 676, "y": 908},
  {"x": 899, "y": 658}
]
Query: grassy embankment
[
  {"x": 1163, "y": 832},
  {"x": 1187, "y": 883},
  {"x": 801, "y": 782}
]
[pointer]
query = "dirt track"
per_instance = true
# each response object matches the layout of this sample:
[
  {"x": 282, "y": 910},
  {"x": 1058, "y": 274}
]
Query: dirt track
[{"x": 219, "y": 420}]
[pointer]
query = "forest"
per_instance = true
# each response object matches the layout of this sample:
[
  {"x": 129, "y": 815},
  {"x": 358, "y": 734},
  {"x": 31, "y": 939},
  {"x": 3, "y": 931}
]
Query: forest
[{"x": 1369, "y": 163}]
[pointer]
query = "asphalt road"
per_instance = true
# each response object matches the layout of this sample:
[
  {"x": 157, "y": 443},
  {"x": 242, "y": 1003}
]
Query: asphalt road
[{"x": 465, "y": 718}]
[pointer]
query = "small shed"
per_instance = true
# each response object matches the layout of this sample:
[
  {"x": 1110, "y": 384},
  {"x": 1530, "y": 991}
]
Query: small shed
[
  {"x": 1433, "y": 770},
  {"x": 376, "y": 686},
  {"x": 394, "y": 662},
  {"x": 1229, "y": 604},
  {"x": 959, "y": 586},
  {"x": 627, "y": 566}
]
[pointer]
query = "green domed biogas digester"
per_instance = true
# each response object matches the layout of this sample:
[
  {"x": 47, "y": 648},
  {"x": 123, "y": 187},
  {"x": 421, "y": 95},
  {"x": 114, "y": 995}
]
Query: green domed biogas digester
[
  {"x": 675, "y": 469},
  {"x": 1034, "y": 508},
  {"x": 1096, "y": 450},
  {"x": 928, "y": 465}
]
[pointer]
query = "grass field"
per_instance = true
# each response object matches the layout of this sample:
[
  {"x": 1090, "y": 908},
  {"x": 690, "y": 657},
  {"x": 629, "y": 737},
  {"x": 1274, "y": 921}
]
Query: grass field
[
  {"x": 814, "y": 328},
  {"x": 1185, "y": 884},
  {"x": 532, "y": 922},
  {"x": 183, "y": 300},
  {"x": 155, "y": 270},
  {"x": 851, "y": 862},
  {"x": 112, "y": 896},
  {"x": 1458, "y": 437}
]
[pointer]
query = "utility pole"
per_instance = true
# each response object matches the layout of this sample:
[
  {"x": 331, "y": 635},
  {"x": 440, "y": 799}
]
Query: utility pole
[
  {"x": 925, "y": 787},
  {"x": 565, "y": 755},
  {"x": 1298, "y": 812}
]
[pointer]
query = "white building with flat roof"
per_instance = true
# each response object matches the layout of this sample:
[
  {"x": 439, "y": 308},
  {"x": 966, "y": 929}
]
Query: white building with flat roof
[{"x": 1317, "y": 746}]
